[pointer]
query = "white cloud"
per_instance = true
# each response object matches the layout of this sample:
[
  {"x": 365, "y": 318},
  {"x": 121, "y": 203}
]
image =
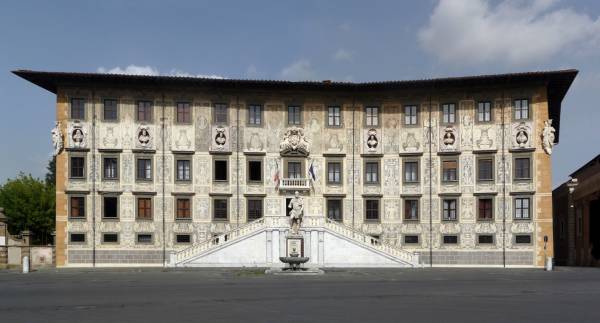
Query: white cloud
[
  {"x": 153, "y": 71},
  {"x": 342, "y": 55},
  {"x": 299, "y": 70},
  {"x": 251, "y": 71},
  {"x": 513, "y": 31}
]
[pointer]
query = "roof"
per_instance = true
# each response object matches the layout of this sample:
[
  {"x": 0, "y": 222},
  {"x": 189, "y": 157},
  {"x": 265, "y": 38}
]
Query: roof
[
  {"x": 558, "y": 83},
  {"x": 591, "y": 163}
]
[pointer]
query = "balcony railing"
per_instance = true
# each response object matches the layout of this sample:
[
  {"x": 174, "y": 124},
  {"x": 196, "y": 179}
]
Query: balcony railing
[{"x": 294, "y": 184}]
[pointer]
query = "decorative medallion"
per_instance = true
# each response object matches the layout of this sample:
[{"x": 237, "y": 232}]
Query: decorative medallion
[
  {"x": 220, "y": 138},
  {"x": 143, "y": 136},
  {"x": 78, "y": 135},
  {"x": 521, "y": 135},
  {"x": 372, "y": 140},
  {"x": 449, "y": 137}
]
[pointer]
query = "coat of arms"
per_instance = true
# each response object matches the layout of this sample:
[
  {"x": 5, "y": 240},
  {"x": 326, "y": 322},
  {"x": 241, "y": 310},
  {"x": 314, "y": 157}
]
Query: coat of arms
[{"x": 294, "y": 142}]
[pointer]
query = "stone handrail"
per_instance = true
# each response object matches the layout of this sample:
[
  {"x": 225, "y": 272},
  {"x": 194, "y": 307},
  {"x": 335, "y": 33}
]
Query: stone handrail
[{"x": 295, "y": 183}]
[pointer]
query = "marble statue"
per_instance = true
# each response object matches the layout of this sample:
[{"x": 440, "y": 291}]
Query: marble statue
[
  {"x": 548, "y": 137},
  {"x": 57, "y": 139},
  {"x": 297, "y": 211}
]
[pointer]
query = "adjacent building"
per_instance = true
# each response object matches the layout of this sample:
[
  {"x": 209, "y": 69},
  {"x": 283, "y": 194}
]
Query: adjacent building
[{"x": 180, "y": 171}]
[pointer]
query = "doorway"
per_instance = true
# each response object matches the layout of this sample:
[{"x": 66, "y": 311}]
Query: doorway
[{"x": 594, "y": 218}]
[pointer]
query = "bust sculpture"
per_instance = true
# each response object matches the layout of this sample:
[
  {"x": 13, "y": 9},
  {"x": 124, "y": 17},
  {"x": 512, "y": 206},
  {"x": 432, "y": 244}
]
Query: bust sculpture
[{"x": 297, "y": 210}]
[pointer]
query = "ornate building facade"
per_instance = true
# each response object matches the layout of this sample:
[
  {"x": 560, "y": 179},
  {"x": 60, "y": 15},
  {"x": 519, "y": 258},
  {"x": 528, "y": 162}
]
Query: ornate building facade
[{"x": 155, "y": 170}]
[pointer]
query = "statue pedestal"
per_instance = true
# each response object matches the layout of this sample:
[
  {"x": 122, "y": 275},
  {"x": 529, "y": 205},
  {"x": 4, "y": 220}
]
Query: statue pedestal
[{"x": 294, "y": 245}]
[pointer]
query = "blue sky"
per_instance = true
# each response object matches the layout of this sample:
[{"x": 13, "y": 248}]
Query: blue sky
[{"x": 339, "y": 40}]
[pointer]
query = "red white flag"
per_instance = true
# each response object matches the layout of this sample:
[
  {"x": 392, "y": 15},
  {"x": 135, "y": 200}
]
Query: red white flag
[{"x": 276, "y": 176}]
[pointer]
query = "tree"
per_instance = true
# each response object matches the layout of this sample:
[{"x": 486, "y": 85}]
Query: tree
[{"x": 51, "y": 174}]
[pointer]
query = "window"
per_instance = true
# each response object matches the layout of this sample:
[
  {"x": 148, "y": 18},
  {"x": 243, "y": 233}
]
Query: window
[
  {"x": 334, "y": 209},
  {"x": 485, "y": 209},
  {"x": 184, "y": 112},
  {"x": 144, "y": 111},
  {"x": 450, "y": 239},
  {"x": 110, "y": 238},
  {"x": 484, "y": 112},
  {"x": 110, "y": 206},
  {"x": 78, "y": 109},
  {"x": 449, "y": 210},
  {"x": 255, "y": 114},
  {"x": 255, "y": 209},
  {"x": 77, "y": 207},
  {"x": 294, "y": 116},
  {"x": 220, "y": 209},
  {"x": 522, "y": 207},
  {"x": 485, "y": 239},
  {"x": 485, "y": 169},
  {"x": 523, "y": 239},
  {"x": 110, "y": 110},
  {"x": 450, "y": 170},
  {"x": 372, "y": 116},
  {"x": 371, "y": 172},
  {"x": 220, "y": 110},
  {"x": 220, "y": 170},
  {"x": 448, "y": 113},
  {"x": 334, "y": 172},
  {"x": 77, "y": 167},
  {"x": 110, "y": 169},
  {"x": 144, "y": 208},
  {"x": 411, "y": 209},
  {"x": 77, "y": 237},
  {"x": 255, "y": 171},
  {"x": 411, "y": 171},
  {"x": 410, "y": 115},
  {"x": 522, "y": 168},
  {"x": 521, "y": 109},
  {"x": 334, "y": 116},
  {"x": 144, "y": 238},
  {"x": 144, "y": 169},
  {"x": 183, "y": 238},
  {"x": 294, "y": 170},
  {"x": 372, "y": 210},
  {"x": 411, "y": 239},
  {"x": 184, "y": 209},
  {"x": 184, "y": 170}
]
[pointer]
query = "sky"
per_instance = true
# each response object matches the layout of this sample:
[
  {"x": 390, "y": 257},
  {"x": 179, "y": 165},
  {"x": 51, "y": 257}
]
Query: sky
[{"x": 295, "y": 40}]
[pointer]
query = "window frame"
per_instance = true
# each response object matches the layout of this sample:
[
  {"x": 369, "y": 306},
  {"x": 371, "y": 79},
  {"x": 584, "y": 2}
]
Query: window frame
[
  {"x": 530, "y": 165},
  {"x": 137, "y": 238},
  {"x": 514, "y": 114},
  {"x": 405, "y": 209},
  {"x": 456, "y": 209},
  {"x": 297, "y": 123},
  {"x": 83, "y": 156},
  {"x": 341, "y": 209},
  {"x": 411, "y": 116},
  {"x": 260, "y": 200},
  {"x": 189, "y": 159},
  {"x": 457, "y": 170},
  {"x": 447, "y": 235},
  {"x": 71, "y": 242},
  {"x": 137, "y": 208},
  {"x": 515, "y": 242},
  {"x": 118, "y": 170},
  {"x": 478, "y": 168},
  {"x": 104, "y": 118},
  {"x": 369, "y": 118},
  {"x": 84, "y": 206},
  {"x": 491, "y": 120},
  {"x": 71, "y": 107},
  {"x": 190, "y": 112},
  {"x": 366, "y": 209},
  {"x": 190, "y": 209},
  {"x": 340, "y": 172},
  {"x": 493, "y": 204},
  {"x": 213, "y": 208},
  {"x": 118, "y": 206},
  {"x": 378, "y": 168},
  {"x": 454, "y": 113},
  {"x": 404, "y": 168},
  {"x": 216, "y": 114},
  {"x": 493, "y": 236},
  {"x": 144, "y": 179},
  {"x": 260, "y": 115},
  {"x": 262, "y": 171},
  {"x": 529, "y": 207},
  {"x": 103, "y": 238},
  {"x": 329, "y": 116},
  {"x": 176, "y": 236},
  {"x": 404, "y": 242},
  {"x": 287, "y": 163},
  {"x": 214, "y": 169},
  {"x": 150, "y": 106}
]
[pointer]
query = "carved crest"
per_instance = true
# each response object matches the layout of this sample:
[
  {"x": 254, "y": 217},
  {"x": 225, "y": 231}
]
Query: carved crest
[
  {"x": 372, "y": 140},
  {"x": 521, "y": 135},
  {"x": 143, "y": 136},
  {"x": 448, "y": 139},
  {"x": 294, "y": 142},
  {"x": 78, "y": 135}
]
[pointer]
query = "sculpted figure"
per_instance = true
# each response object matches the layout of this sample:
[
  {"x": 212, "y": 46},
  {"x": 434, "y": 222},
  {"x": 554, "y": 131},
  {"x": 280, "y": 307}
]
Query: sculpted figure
[
  {"x": 548, "y": 137},
  {"x": 57, "y": 139},
  {"x": 297, "y": 211}
]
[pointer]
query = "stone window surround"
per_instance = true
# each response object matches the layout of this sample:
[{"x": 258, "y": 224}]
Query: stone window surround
[
  {"x": 182, "y": 234},
  {"x": 482, "y": 157},
  {"x": 212, "y": 207},
  {"x": 152, "y": 167},
  {"x": 449, "y": 158},
  {"x": 136, "y": 114},
  {"x": 341, "y": 199},
  {"x": 418, "y": 116},
  {"x": 529, "y": 110},
  {"x": 372, "y": 160},
  {"x": 85, "y": 166},
  {"x": 175, "y": 207},
  {"x": 514, "y": 168},
  {"x": 175, "y": 114},
  {"x": 372, "y": 198},
  {"x": 137, "y": 235},
  {"x": 411, "y": 244},
  {"x": 287, "y": 160},
  {"x": 448, "y": 198},
  {"x": 411, "y": 159},
  {"x": 334, "y": 160},
  {"x": 456, "y": 113},
  {"x": 341, "y": 116},
  {"x": 478, "y": 243},
  {"x": 79, "y": 243},
  {"x": 104, "y": 196},
  {"x": 531, "y": 206},
  {"x": 214, "y": 106},
  {"x": 364, "y": 110},
  {"x": 189, "y": 158},
  {"x": 476, "y": 111},
  {"x": 103, "y": 237},
  {"x": 220, "y": 158},
  {"x": 262, "y": 208},
  {"x": 514, "y": 239},
  {"x": 457, "y": 235},
  {"x": 262, "y": 115},
  {"x": 117, "y": 157},
  {"x": 103, "y": 101},
  {"x": 262, "y": 169},
  {"x": 300, "y": 113},
  {"x": 411, "y": 198},
  {"x": 136, "y": 207},
  {"x": 85, "y": 213},
  {"x": 485, "y": 197},
  {"x": 85, "y": 108}
]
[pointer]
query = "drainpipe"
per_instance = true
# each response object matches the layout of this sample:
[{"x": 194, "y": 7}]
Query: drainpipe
[
  {"x": 430, "y": 166},
  {"x": 237, "y": 159},
  {"x": 94, "y": 171},
  {"x": 503, "y": 186},
  {"x": 163, "y": 179},
  {"x": 353, "y": 163}
]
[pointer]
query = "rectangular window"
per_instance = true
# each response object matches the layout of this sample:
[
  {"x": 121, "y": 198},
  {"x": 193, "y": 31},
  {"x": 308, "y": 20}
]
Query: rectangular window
[
  {"x": 485, "y": 239},
  {"x": 220, "y": 209},
  {"x": 522, "y": 168},
  {"x": 110, "y": 238},
  {"x": 449, "y": 209},
  {"x": 144, "y": 238},
  {"x": 184, "y": 170},
  {"x": 77, "y": 237},
  {"x": 450, "y": 239},
  {"x": 448, "y": 113},
  {"x": 220, "y": 111},
  {"x": 77, "y": 207},
  {"x": 144, "y": 111},
  {"x": 111, "y": 167},
  {"x": 220, "y": 172},
  {"x": 294, "y": 170},
  {"x": 371, "y": 172},
  {"x": 521, "y": 109},
  {"x": 411, "y": 171},
  {"x": 410, "y": 115},
  {"x": 522, "y": 208},
  {"x": 294, "y": 115},
  {"x": 485, "y": 209},
  {"x": 255, "y": 209},
  {"x": 255, "y": 114},
  {"x": 411, "y": 239},
  {"x": 110, "y": 207},
  {"x": 184, "y": 112},
  {"x": 77, "y": 167},
  {"x": 334, "y": 209},
  {"x": 110, "y": 110},
  {"x": 184, "y": 209},
  {"x": 484, "y": 111},
  {"x": 144, "y": 169},
  {"x": 372, "y": 116},
  {"x": 255, "y": 171},
  {"x": 334, "y": 116},
  {"x": 78, "y": 109},
  {"x": 183, "y": 238},
  {"x": 334, "y": 172},
  {"x": 523, "y": 239},
  {"x": 144, "y": 208},
  {"x": 449, "y": 170},
  {"x": 411, "y": 209},
  {"x": 485, "y": 169},
  {"x": 372, "y": 210}
]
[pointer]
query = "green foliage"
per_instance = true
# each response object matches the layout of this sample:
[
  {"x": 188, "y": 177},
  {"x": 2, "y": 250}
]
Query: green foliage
[{"x": 51, "y": 175}]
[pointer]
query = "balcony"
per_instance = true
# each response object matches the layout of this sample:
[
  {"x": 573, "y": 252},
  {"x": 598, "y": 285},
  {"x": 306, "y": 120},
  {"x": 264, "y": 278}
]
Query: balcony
[{"x": 294, "y": 184}]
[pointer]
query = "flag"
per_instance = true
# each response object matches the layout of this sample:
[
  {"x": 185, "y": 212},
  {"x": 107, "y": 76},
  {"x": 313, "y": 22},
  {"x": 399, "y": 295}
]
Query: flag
[
  {"x": 311, "y": 171},
  {"x": 276, "y": 176}
]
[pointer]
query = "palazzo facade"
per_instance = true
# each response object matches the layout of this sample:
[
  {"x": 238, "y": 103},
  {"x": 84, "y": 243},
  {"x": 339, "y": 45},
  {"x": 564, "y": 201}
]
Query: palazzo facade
[{"x": 155, "y": 170}]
